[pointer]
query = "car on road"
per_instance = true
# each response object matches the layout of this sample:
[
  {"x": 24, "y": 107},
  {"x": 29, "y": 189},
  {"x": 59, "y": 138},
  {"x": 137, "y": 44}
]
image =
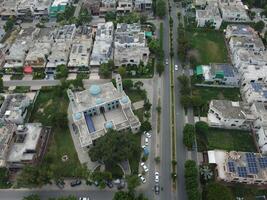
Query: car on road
[
  {"x": 84, "y": 198},
  {"x": 166, "y": 61},
  {"x": 143, "y": 179},
  {"x": 147, "y": 134},
  {"x": 145, "y": 168},
  {"x": 156, "y": 177},
  {"x": 176, "y": 67},
  {"x": 157, "y": 189},
  {"x": 75, "y": 183},
  {"x": 146, "y": 141}
]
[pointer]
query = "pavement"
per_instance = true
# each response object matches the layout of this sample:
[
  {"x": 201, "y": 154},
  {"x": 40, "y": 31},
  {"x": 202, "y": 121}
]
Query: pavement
[{"x": 31, "y": 83}]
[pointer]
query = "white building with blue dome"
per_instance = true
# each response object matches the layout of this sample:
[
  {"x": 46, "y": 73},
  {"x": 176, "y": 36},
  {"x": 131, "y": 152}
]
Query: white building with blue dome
[{"x": 99, "y": 108}]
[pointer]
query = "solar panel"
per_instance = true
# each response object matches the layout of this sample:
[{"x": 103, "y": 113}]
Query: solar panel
[
  {"x": 256, "y": 86},
  {"x": 231, "y": 166},
  {"x": 227, "y": 69},
  {"x": 263, "y": 162},
  {"x": 252, "y": 168},
  {"x": 242, "y": 171},
  {"x": 251, "y": 157}
]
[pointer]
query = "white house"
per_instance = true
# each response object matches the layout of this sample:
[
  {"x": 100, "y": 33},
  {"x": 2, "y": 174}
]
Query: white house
[{"x": 254, "y": 92}]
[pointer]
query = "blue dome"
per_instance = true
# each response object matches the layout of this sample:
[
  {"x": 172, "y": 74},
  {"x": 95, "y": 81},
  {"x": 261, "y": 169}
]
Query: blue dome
[
  {"x": 95, "y": 89},
  {"x": 125, "y": 99},
  {"x": 99, "y": 101},
  {"x": 109, "y": 125},
  {"x": 77, "y": 116}
]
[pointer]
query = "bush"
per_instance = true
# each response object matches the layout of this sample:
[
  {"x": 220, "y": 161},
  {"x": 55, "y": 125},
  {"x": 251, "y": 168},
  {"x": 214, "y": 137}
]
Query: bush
[{"x": 189, "y": 135}]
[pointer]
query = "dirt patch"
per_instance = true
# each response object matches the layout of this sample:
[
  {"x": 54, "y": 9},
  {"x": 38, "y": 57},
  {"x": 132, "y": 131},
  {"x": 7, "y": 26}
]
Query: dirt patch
[{"x": 194, "y": 54}]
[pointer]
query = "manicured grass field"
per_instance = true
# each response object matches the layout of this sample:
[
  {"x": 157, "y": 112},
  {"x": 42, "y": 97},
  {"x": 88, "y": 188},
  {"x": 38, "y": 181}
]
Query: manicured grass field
[
  {"x": 230, "y": 140},
  {"x": 136, "y": 95},
  {"x": 209, "y": 46}
]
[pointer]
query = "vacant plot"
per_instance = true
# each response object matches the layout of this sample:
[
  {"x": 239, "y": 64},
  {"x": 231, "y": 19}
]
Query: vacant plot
[
  {"x": 230, "y": 140},
  {"x": 208, "y": 46}
]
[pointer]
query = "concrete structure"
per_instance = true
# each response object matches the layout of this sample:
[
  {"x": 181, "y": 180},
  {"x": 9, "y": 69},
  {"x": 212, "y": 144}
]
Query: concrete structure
[
  {"x": 37, "y": 56},
  {"x": 252, "y": 74},
  {"x": 8, "y": 8},
  {"x": 124, "y": 6},
  {"x": 2, "y": 33},
  {"x": 102, "y": 50},
  {"x": 3, "y": 52},
  {"x": 93, "y": 6},
  {"x": 41, "y": 8},
  {"x": 29, "y": 142},
  {"x": 65, "y": 33},
  {"x": 130, "y": 45},
  {"x": 81, "y": 50},
  {"x": 14, "y": 108},
  {"x": 59, "y": 56},
  {"x": 209, "y": 16},
  {"x": 24, "y": 9},
  {"x": 254, "y": 92},
  {"x": 234, "y": 13},
  {"x": 7, "y": 133},
  {"x": 107, "y": 6},
  {"x": 229, "y": 114},
  {"x": 142, "y": 5},
  {"x": 219, "y": 73},
  {"x": 99, "y": 108},
  {"x": 58, "y": 6},
  {"x": 240, "y": 30},
  {"x": 239, "y": 167}
]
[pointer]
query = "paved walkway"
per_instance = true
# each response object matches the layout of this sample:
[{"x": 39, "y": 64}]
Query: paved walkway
[{"x": 138, "y": 105}]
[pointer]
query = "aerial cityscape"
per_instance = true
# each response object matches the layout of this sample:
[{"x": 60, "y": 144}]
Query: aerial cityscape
[{"x": 133, "y": 100}]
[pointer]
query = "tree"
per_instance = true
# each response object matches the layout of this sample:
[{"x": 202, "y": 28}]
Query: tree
[
  {"x": 154, "y": 46},
  {"x": 157, "y": 159},
  {"x": 84, "y": 17},
  {"x": 206, "y": 173},
  {"x": 202, "y": 128},
  {"x": 32, "y": 197},
  {"x": 122, "y": 71},
  {"x": 67, "y": 15},
  {"x": 101, "y": 178},
  {"x": 216, "y": 191},
  {"x": 189, "y": 135},
  {"x": 145, "y": 126},
  {"x": 138, "y": 85},
  {"x": 160, "y": 67},
  {"x": 9, "y": 24},
  {"x": 186, "y": 101},
  {"x": 133, "y": 181},
  {"x": 114, "y": 147},
  {"x": 110, "y": 16},
  {"x": 1, "y": 84},
  {"x": 259, "y": 26},
  {"x": 105, "y": 70},
  {"x": 121, "y": 195},
  {"x": 147, "y": 105},
  {"x": 4, "y": 178},
  {"x": 185, "y": 84},
  {"x": 197, "y": 101},
  {"x": 160, "y": 8},
  {"x": 62, "y": 71},
  {"x": 143, "y": 18},
  {"x": 127, "y": 84}
]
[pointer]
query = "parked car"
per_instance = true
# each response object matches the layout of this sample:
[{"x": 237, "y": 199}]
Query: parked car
[
  {"x": 143, "y": 146},
  {"x": 109, "y": 184},
  {"x": 60, "y": 183},
  {"x": 145, "y": 168},
  {"x": 143, "y": 179},
  {"x": 156, "y": 177},
  {"x": 147, "y": 134},
  {"x": 146, "y": 141},
  {"x": 157, "y": 189},
  {"x": 84, "y": 198},
  {"x": 175, "y": 67},
  {"x": 75, "y": 183}
]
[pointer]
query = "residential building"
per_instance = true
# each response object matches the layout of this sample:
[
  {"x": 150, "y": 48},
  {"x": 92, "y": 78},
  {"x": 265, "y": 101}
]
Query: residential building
[
  {"x": 7, "y": 133},
  {"x": 107, "y": 6},
  {"x": 239, "y": 30},
  {"x": 59, "y": 56},
  {"x": 130, "y": 45},
  {"x": 229, "y": 114},
  {"x": 24, "y": 9},
  {"x": 99, "y": 108},
  {"x": 219, "y": 73},
  {"x": 41, "y": 8},
  {"x": 124, "y": 6},
  {"x": 28, "y": 147},
  {"x": 81, "y": 49},
  {"x": 14, "y": 108},
  {"x": 103, "y": 48},
  {"x": 209, "y": 16},
  {"x": 239, "y": 167},
  {"x": 3, "y": 52},
  {"x": 58, "y": 6},
  {"x": 65, "y": 33},
  {"x": 2, "y": 33},
  {"x": 254, "y": 92},
  {"x": 142, "y": 5},
  {"x": 253, "y": 74},
  {"x": 93, "y": 6},
  {"x": 8, "y": 8},
  {"x": 38, "y": 54},
  {"x": 234, "y": 13}
]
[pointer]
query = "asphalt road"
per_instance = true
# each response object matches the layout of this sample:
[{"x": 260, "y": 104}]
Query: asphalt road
[{"x": 45, "y": 195}]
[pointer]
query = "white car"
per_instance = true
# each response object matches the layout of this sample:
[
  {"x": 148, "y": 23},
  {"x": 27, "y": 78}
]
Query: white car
[
  {"x": 167, "y": 62},
  {"x": 175, "y": 67},
  {"x": 146, "y": 141},
  {"x": 147, "y": 134},
  {"x": 145, "y": 168},
  {"x": 143, "y": 179},
  {"x": 144, "y": 146},
  {"x": 84, "y": 198},
  {"x": 156, "y": 177}
]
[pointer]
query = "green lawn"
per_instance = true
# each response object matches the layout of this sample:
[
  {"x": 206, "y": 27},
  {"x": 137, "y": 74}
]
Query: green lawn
[
  {"x": 21, "y": 89},
  {"x": 209, "y": 93},
  {"x": 136, "y": 95},
  {"x": 230, "y": 140},
  {"x": 140, "y": 114},
  {"x": 48, "y": 102},
  {"x": 208, "y": 45}
]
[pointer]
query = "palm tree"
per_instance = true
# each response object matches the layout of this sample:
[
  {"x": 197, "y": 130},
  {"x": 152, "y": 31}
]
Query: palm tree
[{"x": 206, "y": 173}]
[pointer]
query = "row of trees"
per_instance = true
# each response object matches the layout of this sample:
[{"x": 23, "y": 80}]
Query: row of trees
[
  {"x": 121, "y": 195},
  {"x": 37, "y": 197},
  {"x": 67, "y": 17},
  {"x": 189, "y": 135},
  {"x": 191, "y": 180}
]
